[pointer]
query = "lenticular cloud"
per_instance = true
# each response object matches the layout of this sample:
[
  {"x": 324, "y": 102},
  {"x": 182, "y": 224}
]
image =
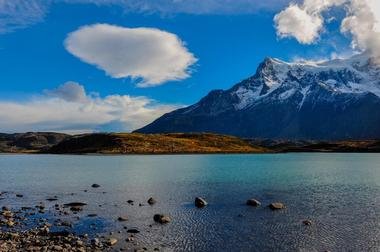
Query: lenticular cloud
[{"x": 151, "y": 55}]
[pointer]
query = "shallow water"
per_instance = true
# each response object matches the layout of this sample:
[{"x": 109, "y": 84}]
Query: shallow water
[{"x": 340, "y": 193}]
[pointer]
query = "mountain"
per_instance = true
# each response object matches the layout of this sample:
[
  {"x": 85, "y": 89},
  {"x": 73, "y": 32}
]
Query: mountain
[{"x": 331, "y": 100}]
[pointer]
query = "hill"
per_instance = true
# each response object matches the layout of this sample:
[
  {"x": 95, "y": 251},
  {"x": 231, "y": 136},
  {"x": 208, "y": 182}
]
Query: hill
[{"x": 124, "y": 143}]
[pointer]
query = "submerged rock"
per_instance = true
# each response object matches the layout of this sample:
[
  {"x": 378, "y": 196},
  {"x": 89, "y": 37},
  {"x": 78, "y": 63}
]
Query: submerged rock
[
  {"x": 200, "y": 202},
  {"x": 253, "y": 202},
  {"x": 276, "y": 206},
  {"x": 162, "y": 219}
]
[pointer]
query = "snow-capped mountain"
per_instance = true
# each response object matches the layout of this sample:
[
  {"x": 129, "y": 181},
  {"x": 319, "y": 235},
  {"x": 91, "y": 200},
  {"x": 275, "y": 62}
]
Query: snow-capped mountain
[{"x": 338, "y": 99}]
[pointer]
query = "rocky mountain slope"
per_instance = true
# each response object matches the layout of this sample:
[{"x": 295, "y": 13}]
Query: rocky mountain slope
[{"x": 332, "y": 100}]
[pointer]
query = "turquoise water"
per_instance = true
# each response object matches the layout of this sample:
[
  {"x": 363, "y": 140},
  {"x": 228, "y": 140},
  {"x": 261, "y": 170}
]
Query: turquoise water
[{"x": 340, "y": 193}]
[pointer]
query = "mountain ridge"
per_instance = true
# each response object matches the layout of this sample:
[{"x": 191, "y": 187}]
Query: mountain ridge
[{"x": 330, "y": 100}]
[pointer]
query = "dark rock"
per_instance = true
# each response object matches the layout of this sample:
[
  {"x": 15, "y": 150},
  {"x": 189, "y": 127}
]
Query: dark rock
[
  {"x": 133, "y": 231},
  {"x": 307, "y": 222},
  {"x": 52, "y": 199},
  {"x": 151, "y": 201},
  {"x": 122, "y": 218},
  {"x": 200, "y": 202},
  {"x": 92, "y": 215},
  {"x": 19, "y": 195},
  {"x": 76, "y": 208},
  {"x": 253, "y": 202},
  {"x": 75, "y": 204},
  {"x": 130, "y": 202},
  {"x": 95, "y": 186},
  {"x": 276, "y": 206},
  {"x": 162, "y": 219}
]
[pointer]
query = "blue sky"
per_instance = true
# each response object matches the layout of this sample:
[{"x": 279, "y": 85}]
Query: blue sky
[{"x": 222, "y": 46}]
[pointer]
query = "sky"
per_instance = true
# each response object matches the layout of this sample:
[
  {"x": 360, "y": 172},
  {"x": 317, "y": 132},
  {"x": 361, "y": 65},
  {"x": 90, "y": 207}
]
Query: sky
[{"x": 115, "y": 65}]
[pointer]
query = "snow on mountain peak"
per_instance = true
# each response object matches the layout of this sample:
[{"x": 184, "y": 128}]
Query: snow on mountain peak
[{"x": 279, "y": 80}]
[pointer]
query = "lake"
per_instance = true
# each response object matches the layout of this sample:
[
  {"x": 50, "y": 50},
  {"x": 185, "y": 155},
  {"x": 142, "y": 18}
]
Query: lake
[{"x": 339, "y": 193}]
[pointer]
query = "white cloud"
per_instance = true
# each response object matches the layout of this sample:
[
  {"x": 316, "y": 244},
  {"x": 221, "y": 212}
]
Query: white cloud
[
  {"x": 305, "y": 22},
  {"x": 297, "y": 22},
  {"x": 69, "y": 91},
  {"x": 152, "y": 55},
  {"x": 58, "y": 111},
  {"x": 361, "y": 24}
]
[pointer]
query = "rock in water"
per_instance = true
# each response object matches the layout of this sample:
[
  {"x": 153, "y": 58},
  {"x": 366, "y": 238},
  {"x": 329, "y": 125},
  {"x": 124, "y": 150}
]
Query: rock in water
[
  {"x": 122, "y": 218},
  {"x": 151, "y": 201},
  {"x": 276, "y": 206},
  {"x": 307, "y": 222},
  {"x": 111, "y": 241},
  {"x": 95, "y": 186},
  {"x": 253, "y": 202},
  {"x": 162, "y": 219},
  {"x": 200, "y": 202},
  {"x": 133, "y": 231}
]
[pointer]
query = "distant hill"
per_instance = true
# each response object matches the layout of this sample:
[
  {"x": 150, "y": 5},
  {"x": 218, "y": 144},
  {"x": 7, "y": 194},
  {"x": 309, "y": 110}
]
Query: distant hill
[
  {"x": 177, "y": 143},
  {"x": 332, "y": 100},
  {"x": 30, "y": 141},
  {"x": 124, "y": 143}
]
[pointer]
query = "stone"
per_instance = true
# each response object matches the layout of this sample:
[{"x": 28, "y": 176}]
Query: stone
[
  {"x": 307, "y": 222},
  {"x": 111, "y": 241},
  {"x": 95, "y": 186},
  {"x": 133, "y": 231},
  {"x": 276, "y": 206},
  {"x": 162, "y": 219},
  {"x": 76, "y": 208},
  {"x": 122, "y": 218},
  {"x": 200, "y": 202},
  {"x": 253, "y": 202},
  {"x": 151, "y": 201}
]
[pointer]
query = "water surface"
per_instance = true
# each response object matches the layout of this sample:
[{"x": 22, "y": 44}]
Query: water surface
[{"x": 340, "y": 193}]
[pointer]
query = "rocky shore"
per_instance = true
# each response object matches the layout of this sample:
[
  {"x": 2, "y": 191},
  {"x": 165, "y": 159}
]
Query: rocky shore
[{"x": 24, "y": 228}]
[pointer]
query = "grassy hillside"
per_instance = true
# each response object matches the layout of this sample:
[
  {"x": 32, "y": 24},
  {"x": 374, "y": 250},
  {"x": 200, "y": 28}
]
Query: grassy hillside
[{"x": 135, "y": 143}]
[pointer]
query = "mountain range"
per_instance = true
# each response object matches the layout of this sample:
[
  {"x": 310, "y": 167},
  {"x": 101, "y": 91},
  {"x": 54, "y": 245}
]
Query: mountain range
[{"x": 329, "y": 100}]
